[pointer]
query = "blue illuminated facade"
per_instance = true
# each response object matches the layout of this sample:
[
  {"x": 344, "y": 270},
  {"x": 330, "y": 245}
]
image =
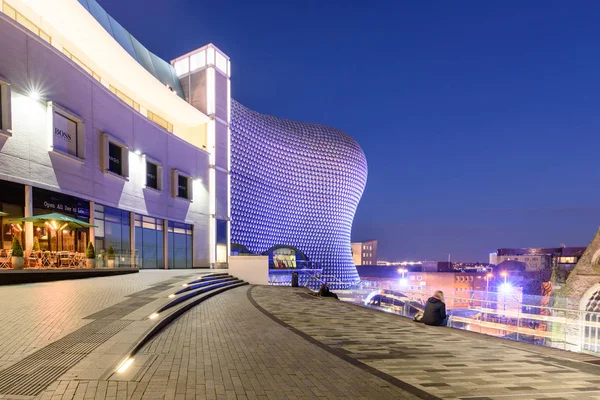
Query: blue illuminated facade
[{"x": 295, "y": 184}]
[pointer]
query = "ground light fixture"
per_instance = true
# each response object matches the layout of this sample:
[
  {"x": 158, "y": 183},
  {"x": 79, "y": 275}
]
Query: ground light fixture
[
  {"x": 185, "y": 285},
  {"x": 153, "y": 316},
  {"x": 172, "y": 295},
  {"x": 124, "y": 365}
]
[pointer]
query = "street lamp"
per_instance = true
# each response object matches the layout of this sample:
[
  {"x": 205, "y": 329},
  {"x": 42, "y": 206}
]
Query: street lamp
[
  {"x": 504, "y": 274},
  {"x": 403, "y": 280},
  {"x": 487, "y": 281}
]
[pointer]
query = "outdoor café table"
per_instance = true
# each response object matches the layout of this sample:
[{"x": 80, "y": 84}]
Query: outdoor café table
[
  {"x": 47, "y": 260},
  {"x": 64, "y": 259}
]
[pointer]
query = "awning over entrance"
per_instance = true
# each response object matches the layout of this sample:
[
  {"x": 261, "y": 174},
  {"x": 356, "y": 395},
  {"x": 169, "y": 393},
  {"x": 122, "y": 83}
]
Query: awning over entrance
[{"x": 60, "y": 220}]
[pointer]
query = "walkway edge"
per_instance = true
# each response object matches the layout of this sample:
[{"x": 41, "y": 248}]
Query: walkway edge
[
  {"x": 388, "y": 378},
  {"x": 167, "y": 320}
]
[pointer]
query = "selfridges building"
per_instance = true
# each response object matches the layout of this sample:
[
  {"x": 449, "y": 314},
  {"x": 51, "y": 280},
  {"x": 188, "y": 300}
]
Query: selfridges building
[{"x": 295, "y": 184}]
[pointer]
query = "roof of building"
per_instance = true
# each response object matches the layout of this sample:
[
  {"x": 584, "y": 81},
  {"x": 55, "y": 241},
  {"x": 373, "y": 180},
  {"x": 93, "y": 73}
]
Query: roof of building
[
  {"x": 162, "y": 70},
  {"x": 557, "y": 251},
  {"x": 511, "y": 265}
]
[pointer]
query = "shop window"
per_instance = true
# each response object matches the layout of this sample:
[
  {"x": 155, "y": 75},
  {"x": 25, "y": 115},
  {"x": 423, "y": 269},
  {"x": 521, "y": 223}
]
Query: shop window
[
  {"x": 154, "y": 178},
  {"x": 112, "y": 229},
  {"x": 115, "y": 157},
  {"x": 181, "y": 185},
  {"x": 180, "y": 245},
  {"x": 5, "y": 116},
  {"x": 149, "y": 242},
  {"x": 67, "y": 133},
  {"x": 419, "y": 278}
]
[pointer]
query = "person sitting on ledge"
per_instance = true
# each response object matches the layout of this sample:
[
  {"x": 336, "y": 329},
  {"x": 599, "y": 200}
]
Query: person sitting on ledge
[
  {"x": 435, "y": 310},
  {"x": 325, "y": 292}
]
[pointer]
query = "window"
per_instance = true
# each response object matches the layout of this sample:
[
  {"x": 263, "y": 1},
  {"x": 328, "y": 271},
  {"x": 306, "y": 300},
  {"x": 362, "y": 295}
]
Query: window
[
  {"x": 113, "y": 230},
  {"x": 181, "y": 185},
  {"x": 130, "y": 102},
  {"x": 20, "y": 18},
  {"x": 149, "y": 242},
  {"x": 67, "y": 133},
  {"x": 412, "y": 277},
  {"x": 180, "y": 245},
  {"x": 419, "y": 278},
  {"x": 115, "y": 157},
  {"x": 163, "y": 123},
  {"x": 5, "y": 118},
  {"x": 153, "y": 174}
]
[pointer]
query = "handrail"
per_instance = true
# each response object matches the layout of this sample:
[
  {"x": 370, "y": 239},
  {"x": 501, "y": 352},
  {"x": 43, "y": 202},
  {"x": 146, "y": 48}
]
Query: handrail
[{"x": 497, "y": 314}]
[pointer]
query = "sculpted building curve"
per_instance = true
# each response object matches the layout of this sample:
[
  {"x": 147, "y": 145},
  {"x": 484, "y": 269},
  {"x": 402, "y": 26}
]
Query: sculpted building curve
[{"x": 295, "y": 184}]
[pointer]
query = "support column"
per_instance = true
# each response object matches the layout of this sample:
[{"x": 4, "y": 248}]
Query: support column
[
  {"x": 28, "y": 226},
  {"x": 92, "y": 230},
  {"x": 132, "y": 240},
  {"x": 166, "y": 244}
]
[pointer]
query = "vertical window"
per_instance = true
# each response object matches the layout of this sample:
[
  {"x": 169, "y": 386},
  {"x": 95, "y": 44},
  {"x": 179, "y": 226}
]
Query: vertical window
[
  {"x": 67, "y": 133},
  {"x": 115, "y": 157},
  {"x": 5, "y": 116},
  {"x": 153, "y": 175},
  {"x": 112, "y": 229},
  {"x": 149, "y": 243},
  {"x": 181, "y": 185},
  {"x": 180, "y": 245}
]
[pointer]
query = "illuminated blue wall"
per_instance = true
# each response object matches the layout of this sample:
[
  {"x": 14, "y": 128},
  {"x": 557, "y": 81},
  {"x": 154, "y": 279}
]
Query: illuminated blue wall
[{"x": 295, "y": 184}]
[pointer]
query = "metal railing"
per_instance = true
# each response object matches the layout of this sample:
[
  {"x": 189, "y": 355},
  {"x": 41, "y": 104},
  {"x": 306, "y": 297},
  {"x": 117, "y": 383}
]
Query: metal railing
[{"x": 498, "y": 314}]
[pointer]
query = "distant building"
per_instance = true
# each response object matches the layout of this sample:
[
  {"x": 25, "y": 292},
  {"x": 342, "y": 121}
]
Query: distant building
[
  {"x": 437, "y": 266},
  {"x": 460, "y": 288},
  {"x": 365, "y": 253},
  {"x": 537, "y": 259}
]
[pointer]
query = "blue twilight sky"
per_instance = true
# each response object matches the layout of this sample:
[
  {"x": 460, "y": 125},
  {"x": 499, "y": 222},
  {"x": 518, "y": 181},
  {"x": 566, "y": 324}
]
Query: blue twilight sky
[{"x": 480, "y": 120}]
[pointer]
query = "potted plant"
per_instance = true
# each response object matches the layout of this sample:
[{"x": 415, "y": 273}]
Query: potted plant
[
  {"x": 18, "y": 262},
  {"x": 36, "y": 244},
  {"x": 90, "y": 255},
  {"x": 110, "y": 256}
]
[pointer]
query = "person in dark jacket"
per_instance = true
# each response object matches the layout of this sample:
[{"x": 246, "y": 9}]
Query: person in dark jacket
[
  {"x": 435, "y": 310},
  {"x": 325, "y": 292}
]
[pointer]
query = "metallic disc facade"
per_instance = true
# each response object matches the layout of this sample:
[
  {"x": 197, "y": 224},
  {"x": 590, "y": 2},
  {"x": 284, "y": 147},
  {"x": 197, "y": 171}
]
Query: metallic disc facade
[{"x": 295, "y": 184}]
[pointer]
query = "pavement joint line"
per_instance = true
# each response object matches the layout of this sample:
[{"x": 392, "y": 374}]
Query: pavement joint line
[
  {"x": 530, "y": 394},
  {"x": 388, "y": 378},
  {"x": 31, "y": 375},
  {"x": 167, "y": 320}
]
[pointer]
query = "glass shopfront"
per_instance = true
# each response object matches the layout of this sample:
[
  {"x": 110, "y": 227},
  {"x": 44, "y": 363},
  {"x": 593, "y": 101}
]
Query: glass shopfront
[
  {"x": 180, "y": 245},
  {"x": 58, "y": 237},
  {"x": 12, "y": 202},
  {"x": 149, "y": 242},
  {"x": 113, "y": 229}
]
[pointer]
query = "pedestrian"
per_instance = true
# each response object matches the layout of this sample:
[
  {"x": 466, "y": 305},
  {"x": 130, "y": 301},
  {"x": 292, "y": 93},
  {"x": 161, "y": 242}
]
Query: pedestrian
[
  {"x": 325, "y": 292},
  {"x": 435, "y": 310}
]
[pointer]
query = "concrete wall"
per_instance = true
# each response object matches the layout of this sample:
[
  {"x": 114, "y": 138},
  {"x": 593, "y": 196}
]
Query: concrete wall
[
  {"x": 252, "y": 269},
  {"x": 29, "y": 63}
]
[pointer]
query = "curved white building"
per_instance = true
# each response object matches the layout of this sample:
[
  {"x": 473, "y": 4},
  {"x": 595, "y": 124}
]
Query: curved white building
[{"x": 95, "y": 126}]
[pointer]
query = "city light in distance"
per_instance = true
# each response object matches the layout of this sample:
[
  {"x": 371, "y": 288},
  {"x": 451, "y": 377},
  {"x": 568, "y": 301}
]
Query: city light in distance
[{"x": 505, "y": 287}]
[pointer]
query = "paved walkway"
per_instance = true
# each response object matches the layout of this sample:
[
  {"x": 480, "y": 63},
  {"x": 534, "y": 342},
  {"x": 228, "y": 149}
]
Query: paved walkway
[
  {"x": 445, "y": 362},
  {"x": 278, "y": 343},
  {"x": 35, "y": 315}
]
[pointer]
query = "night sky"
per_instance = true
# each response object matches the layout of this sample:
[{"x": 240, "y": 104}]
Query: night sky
[{"x": 480, "y": 120}]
